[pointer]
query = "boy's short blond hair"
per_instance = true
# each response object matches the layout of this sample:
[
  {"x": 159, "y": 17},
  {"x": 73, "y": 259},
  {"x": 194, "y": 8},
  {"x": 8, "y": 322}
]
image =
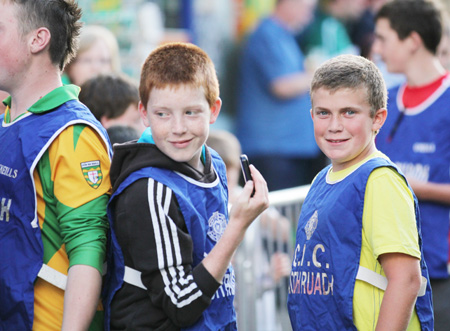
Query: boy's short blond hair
[
  {"x": 354, "y": 72},
  {"x": 176, "y": 64}
]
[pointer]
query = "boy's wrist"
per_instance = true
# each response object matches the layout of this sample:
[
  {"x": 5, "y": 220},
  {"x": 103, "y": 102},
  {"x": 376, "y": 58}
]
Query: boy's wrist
[{"x": 233, "y": 234}]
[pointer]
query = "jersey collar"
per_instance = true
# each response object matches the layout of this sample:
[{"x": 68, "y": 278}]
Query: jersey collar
[{"x": 48, "y": 102}]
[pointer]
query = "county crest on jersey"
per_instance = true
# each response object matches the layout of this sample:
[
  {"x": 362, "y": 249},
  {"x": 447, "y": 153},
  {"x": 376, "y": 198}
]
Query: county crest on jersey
[{"x": 92, "y": 173}]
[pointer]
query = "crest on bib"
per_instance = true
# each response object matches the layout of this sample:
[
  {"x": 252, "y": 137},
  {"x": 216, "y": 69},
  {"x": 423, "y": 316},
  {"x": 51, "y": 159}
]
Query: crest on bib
[
  {"x": 92, "y": 173},
  {"x": 311, "y": 226},
  {"x": 216, "y": 226}
]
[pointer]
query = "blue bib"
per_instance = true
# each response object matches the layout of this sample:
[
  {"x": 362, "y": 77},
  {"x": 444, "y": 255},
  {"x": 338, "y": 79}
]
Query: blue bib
[
  {"x": 23, "y": 142},
  {"x": 205, "y": 211},
  {"x": 327, "y": 254},
  {"x": 420, "y": 147}
]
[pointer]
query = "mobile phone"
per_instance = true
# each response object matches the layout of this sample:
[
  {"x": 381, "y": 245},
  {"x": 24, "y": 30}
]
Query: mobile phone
[{"x": 245, "y": 168}]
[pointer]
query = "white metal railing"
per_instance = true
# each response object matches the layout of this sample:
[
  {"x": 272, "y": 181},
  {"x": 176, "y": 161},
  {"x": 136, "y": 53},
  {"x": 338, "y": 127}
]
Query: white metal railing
[{"x": 261, "y": 295}]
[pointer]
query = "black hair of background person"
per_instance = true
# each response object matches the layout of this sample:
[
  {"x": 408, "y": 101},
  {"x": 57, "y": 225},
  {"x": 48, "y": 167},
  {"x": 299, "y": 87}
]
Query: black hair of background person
[
  {"x": 109, "y": 95},
  {"x": 121, "y": 133}
]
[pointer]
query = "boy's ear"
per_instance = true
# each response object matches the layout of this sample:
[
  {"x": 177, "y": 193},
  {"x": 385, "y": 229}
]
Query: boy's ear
[
  {"x": 143, "y": 113},
  {"x": 104, "y": 121},
  {"x": 379, "y": 119},
  {"x": 40, "y": 39},
  {"x": 215, "y": 110},
  {"x": 415, "y": 41}
]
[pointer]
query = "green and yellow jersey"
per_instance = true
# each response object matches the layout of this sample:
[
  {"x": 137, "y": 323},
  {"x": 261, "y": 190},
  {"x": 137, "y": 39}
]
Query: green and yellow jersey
[{"x": 72, "y": 190}]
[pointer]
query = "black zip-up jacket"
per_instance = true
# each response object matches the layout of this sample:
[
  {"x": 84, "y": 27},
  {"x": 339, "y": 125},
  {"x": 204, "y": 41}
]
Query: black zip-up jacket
[{"x": 134, "y": 308}]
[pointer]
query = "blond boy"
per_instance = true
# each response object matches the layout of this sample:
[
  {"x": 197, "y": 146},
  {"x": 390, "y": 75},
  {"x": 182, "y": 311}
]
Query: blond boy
[{"x": 358, "y": 261}]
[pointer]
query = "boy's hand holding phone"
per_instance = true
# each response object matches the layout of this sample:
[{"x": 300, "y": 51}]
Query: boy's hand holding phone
[{"x": 253, "y": 200}]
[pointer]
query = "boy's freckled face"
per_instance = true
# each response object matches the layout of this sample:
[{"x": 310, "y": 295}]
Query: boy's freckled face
[
  {"x": 179, "y": 119},
  {"x": 343, "y": 127}
]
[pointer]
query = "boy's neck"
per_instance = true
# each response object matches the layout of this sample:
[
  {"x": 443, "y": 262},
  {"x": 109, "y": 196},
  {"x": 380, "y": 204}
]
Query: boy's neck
[
  {"x": 369, "y": 150},
  {"x": 424, "y": 69},
  {"x": 201, "y": 167},
  {"x": 32, "y": 89}
]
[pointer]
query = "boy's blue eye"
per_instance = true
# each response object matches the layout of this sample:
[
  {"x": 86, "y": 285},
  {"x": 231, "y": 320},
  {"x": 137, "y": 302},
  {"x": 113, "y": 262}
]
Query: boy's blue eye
[{"x": 191, "y": 112}]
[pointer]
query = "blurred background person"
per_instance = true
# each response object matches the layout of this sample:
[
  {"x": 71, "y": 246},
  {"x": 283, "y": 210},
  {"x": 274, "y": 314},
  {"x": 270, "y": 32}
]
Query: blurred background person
[
  {"x": 119, "y": 134},
  {"x": 361, "y": 30},
  {"x": 113, "y": 99},
  {"x": 415, "y": 134},
  {"x": 273, "y": 120},
  {"x": 443, "y": 50},
  {"x": 327, "y": 35},
  {"x": 98, "y": 53},
  {"x": 362, "y": 34}
]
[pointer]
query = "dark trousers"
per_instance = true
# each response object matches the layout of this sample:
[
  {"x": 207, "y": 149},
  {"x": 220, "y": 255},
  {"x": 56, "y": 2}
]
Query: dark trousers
[{"x": 441, "y": 303}]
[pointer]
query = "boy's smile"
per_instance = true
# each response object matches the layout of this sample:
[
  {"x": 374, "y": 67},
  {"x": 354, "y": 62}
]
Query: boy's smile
[
  {"x": 343, "y": 127},
  {"x": 179, "y": 118}
]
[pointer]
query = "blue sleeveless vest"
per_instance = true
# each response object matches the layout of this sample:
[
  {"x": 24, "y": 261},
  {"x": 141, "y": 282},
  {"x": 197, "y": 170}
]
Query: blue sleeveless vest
[
  {"x": 205, "y": 223},
  {"x": 22, "y": 144},
  {"x": 421, "y": 149},
  {"x": 327, "y": 254}
]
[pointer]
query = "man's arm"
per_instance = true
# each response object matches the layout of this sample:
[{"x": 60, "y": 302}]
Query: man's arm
[
  {"x": 404, "y": 279},
  {"x": 280, "y": 69},
  {"x": 291, "y": 86},
  {"x": 81, "y": 297},
  {"x": 428, "y": 191}
]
